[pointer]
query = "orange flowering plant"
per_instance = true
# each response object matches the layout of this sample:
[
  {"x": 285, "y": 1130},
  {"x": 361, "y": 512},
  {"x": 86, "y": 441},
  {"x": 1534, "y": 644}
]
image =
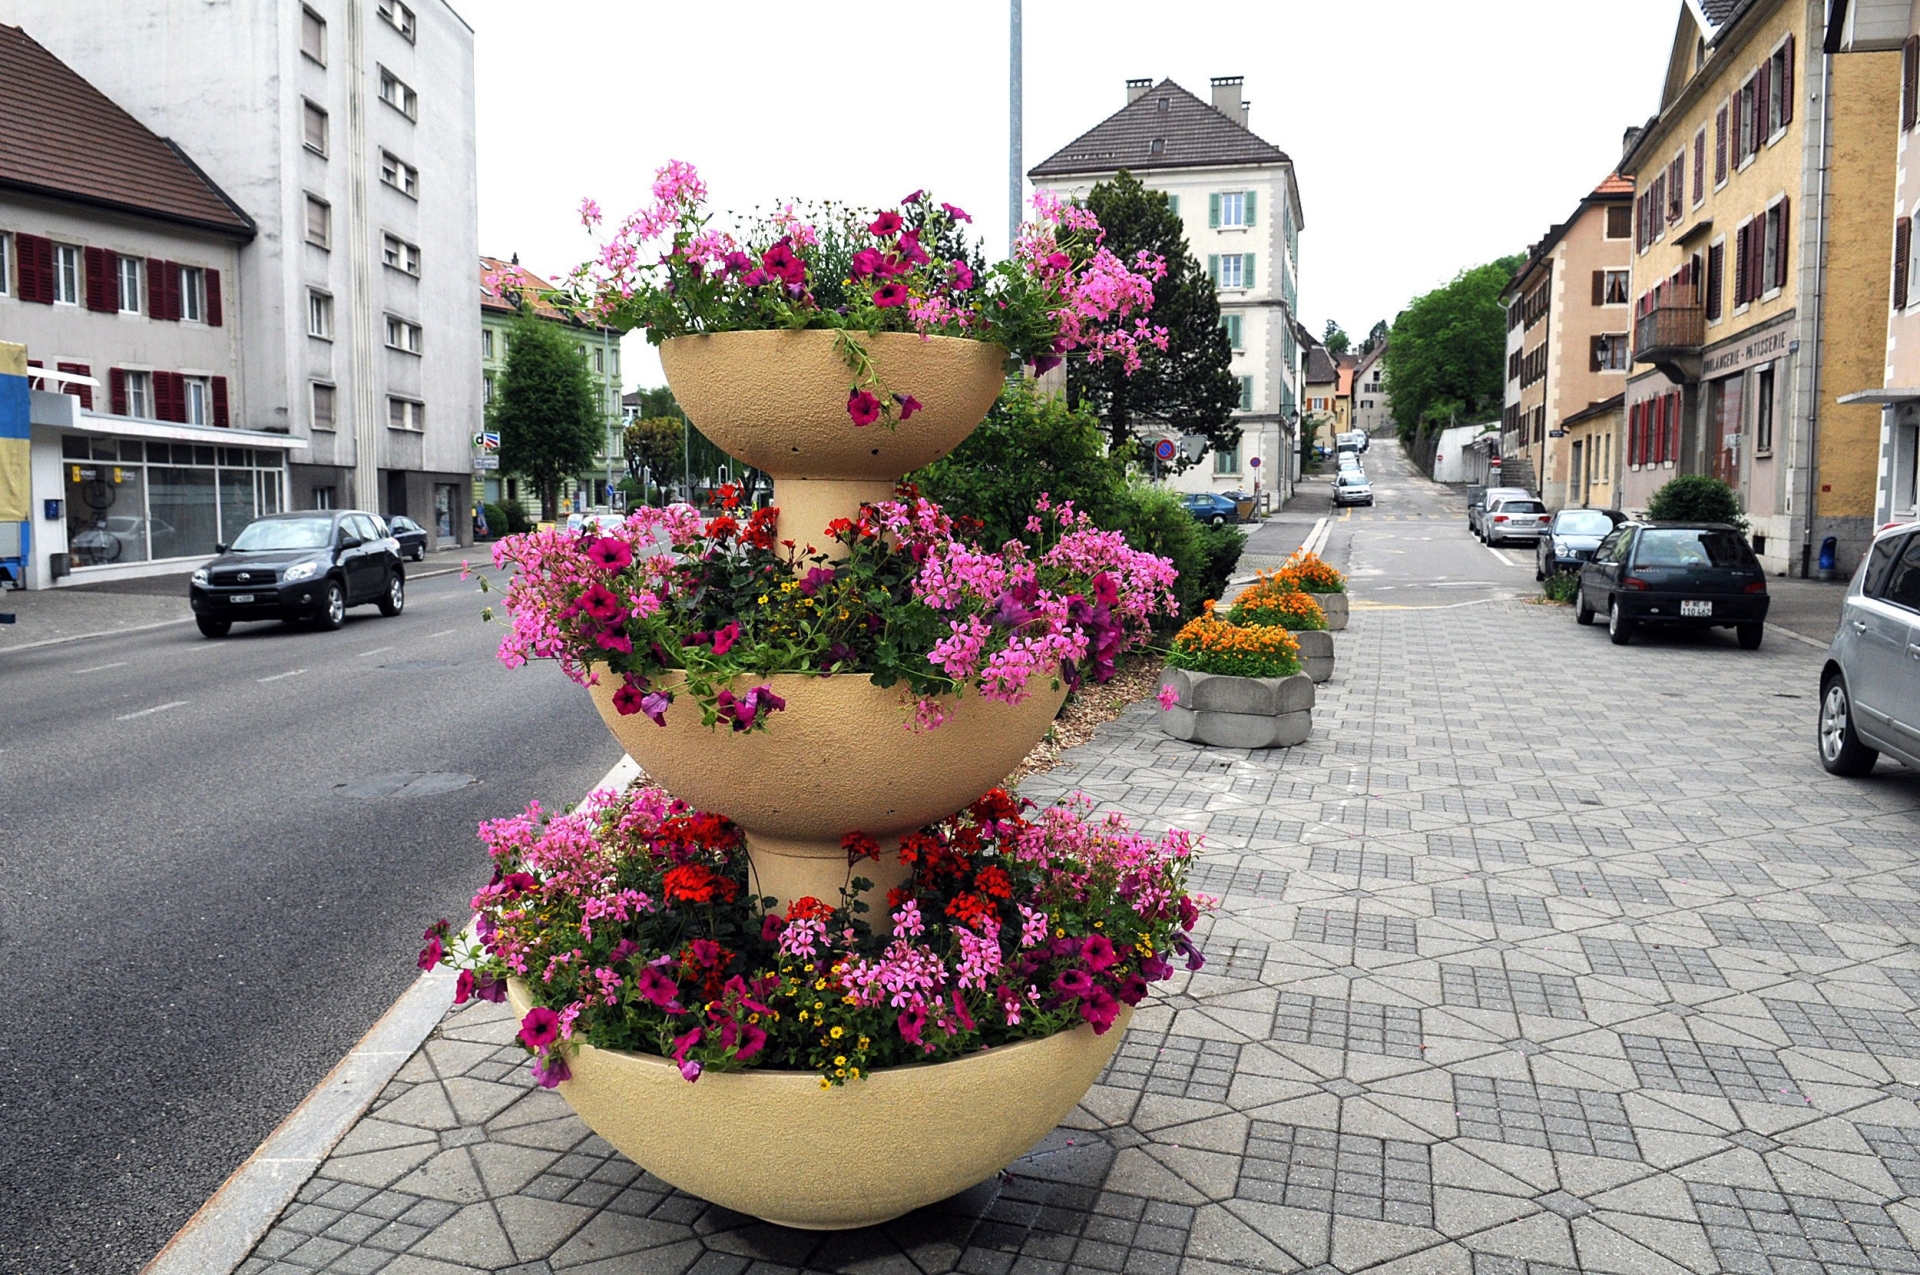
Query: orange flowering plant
[
  {"x": 1210, "y": 644},
  {"x": 1286, "y": 609},
  {"x": 1307, "y": 573}
]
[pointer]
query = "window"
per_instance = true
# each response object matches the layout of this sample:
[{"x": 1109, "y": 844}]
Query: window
[
  {"x": 406, "y": 413},
  {"x": 486, "y": 382},
  {"x": 193, "y": 294},
  {"x": 319, "y": 222},
  {"x": 313, "y": 36},
  {"x": 402, "y": 176},
  {"x": 402, "y": 335},
  {"x": 323, "y": 410},
  {"x": 140, "y": 394},
  {"x": 486, "y": 343},
  {"x": 315, "y": 129},
  {"x": 1720, "y": 146},
  {"x": 1677, "y": 187},
  {"x": 6, "y": 265},
  {"x": 323, "y": 498},
  {"x": 395, "y": 93},
  {"x": 600, "y": 361},
  {"x": 1231, "y": 208},
  {"x": 1609, "y": 353},
  {"x": 1746, "y": 138},
  {"x": 319, "y": 314},
  {"x": 1778, "y": 77},
  {"x": 1235, "y": 270},
  {"x": 66, "y": 274},
  {"x": 1246, "y": 393},
  {"x": 1231, "y": 322},
  {"x": 1700, "y": 167},
  {"x": 399, "y": 17},
  {"x": 400, "y": 254},
  {"x": 128, "y": 270},
  {"x": 1173, "y": 204},
  {"x": 1166, "y": 104},
  {"x": 1763, "y": 411},
  {"x": 1226, "y": 460},
  {"x": 1773, "y": 264},
  {"x": 1610, "y": 287},
  {"x": 1158, "y": 146},
  {"x": 1619, "y": 222},
  {"x": 198, "y": 404}
]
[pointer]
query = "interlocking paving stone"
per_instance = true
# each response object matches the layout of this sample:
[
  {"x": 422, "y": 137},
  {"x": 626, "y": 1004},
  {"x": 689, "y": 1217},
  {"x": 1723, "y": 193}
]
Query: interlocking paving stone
[
  {"x": 1882, "y": 1032},
  {"x": 1696, "y": 867},
  {"x": 1612, "y": 887},
  {"x": 1781, "y": 850},
  {"x": 1369, "y": 930},
  {"x": 1497, "y": 1264},
  {"x": 1334, "y": 1023},
  {"x": 1845, "y": 907},
  {"x": 1260, "y": 826},
  {"x": 1236, "y": 958},
  {"x": 1515, "y": 991},
  {"x": 1631, "y": 958},
  {"x": 1795, "y": 938},
  {"x": 1679, "y": 1065},
  {"x": 1349, "y": 1174},
  {"x": 1177, "y": 1066},
  {"x": 1484, "y": 850},
  {"x": 1588, "y": 835},
  {"x": 1898, "y": 1148},
  {"x": 1361, "y": 863},
  {"x": 1489, "y": 906},
  {"x": 1562, "y": 1119},
  {"x": 1220, "y": 880},
  {"x": 1773, "y": 1233}
]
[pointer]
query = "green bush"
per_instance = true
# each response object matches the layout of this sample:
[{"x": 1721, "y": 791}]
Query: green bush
[
  {"x": 508, "y": 518},
  {"x": 1223, "y": 546},
  {"x": 1155, "y": 521},
  {"x": 1560, "y": 586},
  {"x": 1696, "y": 498}
]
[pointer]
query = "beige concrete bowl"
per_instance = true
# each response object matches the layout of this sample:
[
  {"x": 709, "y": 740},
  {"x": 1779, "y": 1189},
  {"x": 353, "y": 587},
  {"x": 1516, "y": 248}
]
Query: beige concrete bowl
[
  {"x": 778, "y": 400},
  {"x": 776, "y": 1146}
]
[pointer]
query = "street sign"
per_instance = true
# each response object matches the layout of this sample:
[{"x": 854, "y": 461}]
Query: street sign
[
  {"x": 486, "y": 462},
  {"x": 1164, "y": 449},
  {"x": 1254, "y": 461},
  {"x": 488, "y": 441}
]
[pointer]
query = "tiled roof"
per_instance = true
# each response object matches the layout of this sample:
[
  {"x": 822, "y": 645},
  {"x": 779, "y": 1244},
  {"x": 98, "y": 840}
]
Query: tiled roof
[
  {"x": 1189, "y": 133},
  {"x": 1718, "y": 11},
  {"x": 1320, "y": 367},
  {"x": 499, "y": 277},
  {"x": 1614, "y": 184},
  {"x": 65, "y": 139}
]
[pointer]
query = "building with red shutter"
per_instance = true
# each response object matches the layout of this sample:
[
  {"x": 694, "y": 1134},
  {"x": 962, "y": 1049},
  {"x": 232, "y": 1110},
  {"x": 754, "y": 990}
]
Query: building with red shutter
[
  {"x": 118, "y": 271},
  {"x": 1761, "y": 271}
]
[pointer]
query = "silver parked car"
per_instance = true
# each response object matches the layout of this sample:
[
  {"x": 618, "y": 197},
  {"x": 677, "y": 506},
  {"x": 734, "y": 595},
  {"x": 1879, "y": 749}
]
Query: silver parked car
[
  {"x": 1477, "y": 503},
  {"x": 1870, "y": 687},
  {"x": 1513, "y": 518}
]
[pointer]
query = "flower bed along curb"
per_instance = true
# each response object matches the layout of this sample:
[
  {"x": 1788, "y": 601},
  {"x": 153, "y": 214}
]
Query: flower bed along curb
[{"x": 1238, "y": 712}]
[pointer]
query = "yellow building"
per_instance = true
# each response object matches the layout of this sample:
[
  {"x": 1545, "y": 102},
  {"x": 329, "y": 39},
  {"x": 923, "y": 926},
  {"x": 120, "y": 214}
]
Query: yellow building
[{"x": 1760, "y": 273}]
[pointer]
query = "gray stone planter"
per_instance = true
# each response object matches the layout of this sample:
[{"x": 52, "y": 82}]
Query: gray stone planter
[
  {"x": 1239, "y": 712},
  {"x": 1316, "y": 651},
  {"x": 1335, "y": 605}
]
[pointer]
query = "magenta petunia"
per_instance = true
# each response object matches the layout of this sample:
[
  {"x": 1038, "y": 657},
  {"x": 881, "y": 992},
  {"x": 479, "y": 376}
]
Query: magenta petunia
[
  {"x": 1075, "y": 982},
  {"x": 865, "y": 262},
  {"x": 863, "y": 407},
  {"x": 885, "y": 224},
  {"x": 629, "y": 699},
  {"x": 962, "y": 275},
  {"x": 908, "y": 405},
  {"x": 658, "y": 988},
  {"x": 888, "y": 295},
  {"x": 463, "y": 987},
  {"x": 540, "y": 1028},
  {"x": 1099, "y": 1009},
  {"x": 1098, "y": 953},
  {"x": 614, "y": 640},
  {"x": 958, "y": 214},
  {"x": 431, "y": 953},
  {"x": 601, "y": 603},
  {"x": 724, "y": 638},
  {"x": 552, "y": 1071},
  {"x": 610, "y": 554}
]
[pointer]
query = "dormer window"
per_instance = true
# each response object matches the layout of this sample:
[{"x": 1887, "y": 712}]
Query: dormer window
[
  {"x": 1157, "y": 147},
  {"x": 1166, "y": 104}
]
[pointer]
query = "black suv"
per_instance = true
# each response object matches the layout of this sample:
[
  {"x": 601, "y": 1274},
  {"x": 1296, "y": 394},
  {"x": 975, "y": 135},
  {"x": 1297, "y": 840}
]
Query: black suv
[
  {"x": 1689, "y": 575},
  {"x": 299, "y": 566}
]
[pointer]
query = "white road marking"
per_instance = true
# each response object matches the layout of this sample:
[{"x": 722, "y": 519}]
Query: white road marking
[
  {"x": 443, "y": 633},
  {"x": 277, "y": 676},
  {"x": 375, "y": 651},
  {"x": 1503, "y": 557},
  {"x": 99, "y": 668},
  {"x": 157, "y": 708}
]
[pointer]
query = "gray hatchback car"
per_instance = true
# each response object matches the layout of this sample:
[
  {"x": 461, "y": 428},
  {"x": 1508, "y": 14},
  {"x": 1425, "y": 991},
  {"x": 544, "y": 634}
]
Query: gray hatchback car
[{"x": 1870, "y": 687}]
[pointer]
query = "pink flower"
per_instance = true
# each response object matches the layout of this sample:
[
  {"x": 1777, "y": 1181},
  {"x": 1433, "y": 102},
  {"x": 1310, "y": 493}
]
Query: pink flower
[
  {"x": 431, "y": 953},
  {"x": 863, "y": 407},
  {"x": 1098, "y": 953},
  {"x": 908, "y": 405},
  {"x": 888, "y": 295},
  {"x": 589, "y": 213},
  {"x": 654, "y": 705},
  {"x": 609, "y": 554},
  {"x": 552, "y": 1071},
  {"x": 865, "y": 262},
  {"x": 962, "y": 275},
  {"x": 915, "y": 197},
  {"x": 1075, "y": 982},
  {"x": 600, "y": 602},
  {"x": 540, "y": 1028},
  {"x": 1169, "y": 696},
  {"x": 659, "y": 989},
  {"x": 724, "y": 638},
  {"x": 631, "y": 697},
  {"x": 780, "y": 262},
  {"x": 885, "y": 224},
  {"x": 958, "y": 214}
]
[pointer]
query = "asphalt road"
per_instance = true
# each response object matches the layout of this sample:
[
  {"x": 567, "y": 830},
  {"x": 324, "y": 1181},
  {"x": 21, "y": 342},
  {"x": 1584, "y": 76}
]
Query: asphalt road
[{"x": 208, "y": 899}]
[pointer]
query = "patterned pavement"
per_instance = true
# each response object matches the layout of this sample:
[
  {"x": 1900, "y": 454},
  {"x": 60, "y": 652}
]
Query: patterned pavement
[{"x": 1584, "y": 968}]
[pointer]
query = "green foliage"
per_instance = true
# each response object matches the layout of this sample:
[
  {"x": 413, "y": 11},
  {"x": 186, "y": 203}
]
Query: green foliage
[
  {"x": 1157, "y": 522},
  {"x": 655, "y": 446},
  {"x": 1560, "y": 586},
  {"x": 1696, "y": 498},
  {"x": 1376, "y": 337},
  {"x": 1335, "y": 339},
  {"x": 1029, "y": 444},
  {"x": 545, "y": 409},
  {"x": 1223, "y": 546},
  {"x": 512, "y": 517},
  {"x": 1186, "y": 388},
  {"x": 1447, "y": 351}
]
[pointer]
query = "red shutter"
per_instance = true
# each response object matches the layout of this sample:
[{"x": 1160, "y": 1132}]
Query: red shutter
[
  {"x": 220, "y": 401},
  {"x": 162, "y": 396},
  {"x": 1902, "y": 247},
  {"x": 214, "y": 311},
  {"x": 117, "y": 390},
  {"x": 1716, "y": 278},
  {"x": 1739, "y": 267},
  {"x": 1786, "y": 83},
  {"x": 1909, "y": 81},
  {"x": 36, "y": 268},
  {"x": 1720, "y": 145},
  {"x": 1599, "y": 287},
  {"x": 85, "y": 392},
  {"x": 1757, "y": 270},
  {"x": 1633, "y": 434},
  {"x": 1762, "y": 84},
  {"x": 163, "y": 289},
  {"x": 100, "y": 294},
  {"x": 1780, "y": 247}
]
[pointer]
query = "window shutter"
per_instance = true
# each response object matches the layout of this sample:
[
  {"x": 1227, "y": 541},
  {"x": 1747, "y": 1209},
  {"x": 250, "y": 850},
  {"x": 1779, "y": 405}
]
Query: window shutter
[
  {"x": 1740, "y": 267},
  {"x": 1757, "y": 281},
  {"x": 45, "y": 270},
  {"x": 1213, "y": 209},
  {"x": 215, "y": 314},
  {"x": 1762, "y": 100},
  {"x": 1786, "y": 82},
  {"x": 1247, "y": 207},
  {"x": 162, "y": 396},
  {"x": 159, "y": 296},
  {"x": 1246, "y": 271},
  {"x": 117, "y": 390},
  {"x": 100, "y": 280},
  {"x": 1909, "y": 81},
  {"x": 1213, "y": 264},
  {"x": 36, "y": 268},
  {"x": 1699, "y": 165},
  {"x": 1599, "y": 287},
  {"x": 1633, "y": 434},
  {"x": 220, "y": 401},
  {"x": 1593, "y": 353},
  {"x": 1720, "y": 145},
  {"x": 85, "y": 392},
  {"x": 1716, "y": 278},
  {"x": 1902, "y": 248},
  {"x": 1780, "y": 245}
]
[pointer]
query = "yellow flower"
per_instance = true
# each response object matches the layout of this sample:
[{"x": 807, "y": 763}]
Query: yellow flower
[
  {"x": 819, "y": 984},
  {"x": 763, "y": 599},
  {"x": 838, "y": 1032},
  {"x": 840, "y": 1071},
  {"x": 864, "y": 1042},
  {"x": 853, "y": 1073},
  {"x": 825, "y": 1083},
  {"x": 753, "y": 1018},
  {"x": 840, "y": 1060},
  {"x": 819, "y": 1004}
]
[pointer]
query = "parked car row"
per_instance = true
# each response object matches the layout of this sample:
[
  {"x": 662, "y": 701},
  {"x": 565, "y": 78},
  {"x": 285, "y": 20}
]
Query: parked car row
[
  {"x": 1350, "y": 483},
  {"x": 1870, "y": 684}
]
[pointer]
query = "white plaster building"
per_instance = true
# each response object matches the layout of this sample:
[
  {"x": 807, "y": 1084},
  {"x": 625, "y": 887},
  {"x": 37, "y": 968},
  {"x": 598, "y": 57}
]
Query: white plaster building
[
  {"x": 345, "y": 130},
  {"x": 1241, "y": 204}
]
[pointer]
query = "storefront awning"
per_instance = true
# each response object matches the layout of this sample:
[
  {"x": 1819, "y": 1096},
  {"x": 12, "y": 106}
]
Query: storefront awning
[
  {"x": 63, "y": 411},
  {"x": 1883, "y": 397}
]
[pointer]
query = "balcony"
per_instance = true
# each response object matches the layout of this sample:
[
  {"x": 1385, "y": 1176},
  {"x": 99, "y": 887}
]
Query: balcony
[{"x": 1670, "y": 335}]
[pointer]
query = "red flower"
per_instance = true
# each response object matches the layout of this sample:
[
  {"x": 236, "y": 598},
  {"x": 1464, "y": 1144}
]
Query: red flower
[
  {"x": 885, "y": 224},
  {"x": 888, "y": 295},
  {"x": 697, "y": 883},
  {"x": 970, "y": 909},
  {"x": 863, "y": 406},
  {"x": 540, "y": 1028},
  {"x": 993, "y": 882},
  {"x": 729, "y": 495},
  {"x": 609, "y": 554},
  {"x": 780, "y": 262},
  {"x": 858, "y": 846},
  {"x": 897, "y": 896},
  {"x": 808, "y": 909},
  {"x": 908, "y": 405},
  {"x": 722, "y": 527},
  {"x": 840, "y": 526},
  {"x": 600, "y": 602},
  {"x": 631, "y": 697}
]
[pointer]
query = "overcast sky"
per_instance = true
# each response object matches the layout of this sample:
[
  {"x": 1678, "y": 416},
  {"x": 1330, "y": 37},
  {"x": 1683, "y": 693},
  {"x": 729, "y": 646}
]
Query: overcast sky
[{"x": 1426, "y": 136}]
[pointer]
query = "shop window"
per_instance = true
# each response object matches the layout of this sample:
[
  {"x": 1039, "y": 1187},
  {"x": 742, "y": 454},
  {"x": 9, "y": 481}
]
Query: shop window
[{"x": 1763, "y": 412}]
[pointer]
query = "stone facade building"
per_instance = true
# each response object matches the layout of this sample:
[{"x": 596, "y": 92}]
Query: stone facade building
[{"x": 1372, "y": 401}]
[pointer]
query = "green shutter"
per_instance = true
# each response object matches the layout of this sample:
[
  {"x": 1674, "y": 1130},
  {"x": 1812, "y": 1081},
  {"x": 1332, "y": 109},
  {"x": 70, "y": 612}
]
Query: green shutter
[
  {"x": 1247, "y": 207},
  {"x": 1213, "y": 258},
  {"x": 1246, "y": 271},
  {"x": 1213, "y": 209},
  {"x": 1173, "y": 204}
]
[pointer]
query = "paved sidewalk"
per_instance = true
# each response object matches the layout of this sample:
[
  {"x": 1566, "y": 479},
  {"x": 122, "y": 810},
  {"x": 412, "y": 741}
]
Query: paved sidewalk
[{"x": 1605, "y": 976}]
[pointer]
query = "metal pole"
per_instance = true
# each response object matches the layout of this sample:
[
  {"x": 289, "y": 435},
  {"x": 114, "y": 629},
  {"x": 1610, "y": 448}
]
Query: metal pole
[{"x": 1016, "y": 178}]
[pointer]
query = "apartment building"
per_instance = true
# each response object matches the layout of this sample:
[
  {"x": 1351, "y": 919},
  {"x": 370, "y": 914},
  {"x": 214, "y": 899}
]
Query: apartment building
[
  {"x": 120, "y": 274},
  {"x": 1761, "y": 273},
  {"x": 1372, "y": 401},
  {"x": 1240, "y": 202},
  {"x": 1319, "y": 383},
  {"x": 1567, "y": 335},
  {"x": 344, "y": 129}
]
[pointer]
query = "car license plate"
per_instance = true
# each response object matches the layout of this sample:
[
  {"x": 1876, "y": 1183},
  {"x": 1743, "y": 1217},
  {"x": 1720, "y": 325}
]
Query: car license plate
[
  {"x": 241, "y": 597},
  {"x": 1696, "y": 608}
]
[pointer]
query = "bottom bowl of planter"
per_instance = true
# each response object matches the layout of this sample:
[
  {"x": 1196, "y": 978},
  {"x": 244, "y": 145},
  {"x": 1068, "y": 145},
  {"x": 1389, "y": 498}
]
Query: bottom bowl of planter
[
  {"x": 1239, "y": 712},
  {"x": 1316, "y": 650},
  {"x": 1335, "y": 606},
  {"x": 776, "y": 1146}
]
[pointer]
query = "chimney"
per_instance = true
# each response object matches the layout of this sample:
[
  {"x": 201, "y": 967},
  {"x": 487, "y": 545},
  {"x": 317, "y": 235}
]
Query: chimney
[
  {"x": 1226, "y": 97},
  {"x": 1629, "y": 138},
  {"x": 1137, "y": 89},
  {"x": 1246, "y": 112}
]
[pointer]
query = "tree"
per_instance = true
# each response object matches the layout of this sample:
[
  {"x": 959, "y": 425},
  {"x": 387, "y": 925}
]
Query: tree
[
  {"x": 1336, "y": 339},
  {"x": 1187, "y": 388},
  {"x": 545, "y": 409},
  {"x": 1447, "y": 351},
  {"x": 1696, "y": 498},
  {"x": 654, "y": 447},
  {"x": 1376, "y": 337}
]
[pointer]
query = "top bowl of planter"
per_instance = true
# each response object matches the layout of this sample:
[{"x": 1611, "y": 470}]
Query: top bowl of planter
[{"x": 778, "y": 400}]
